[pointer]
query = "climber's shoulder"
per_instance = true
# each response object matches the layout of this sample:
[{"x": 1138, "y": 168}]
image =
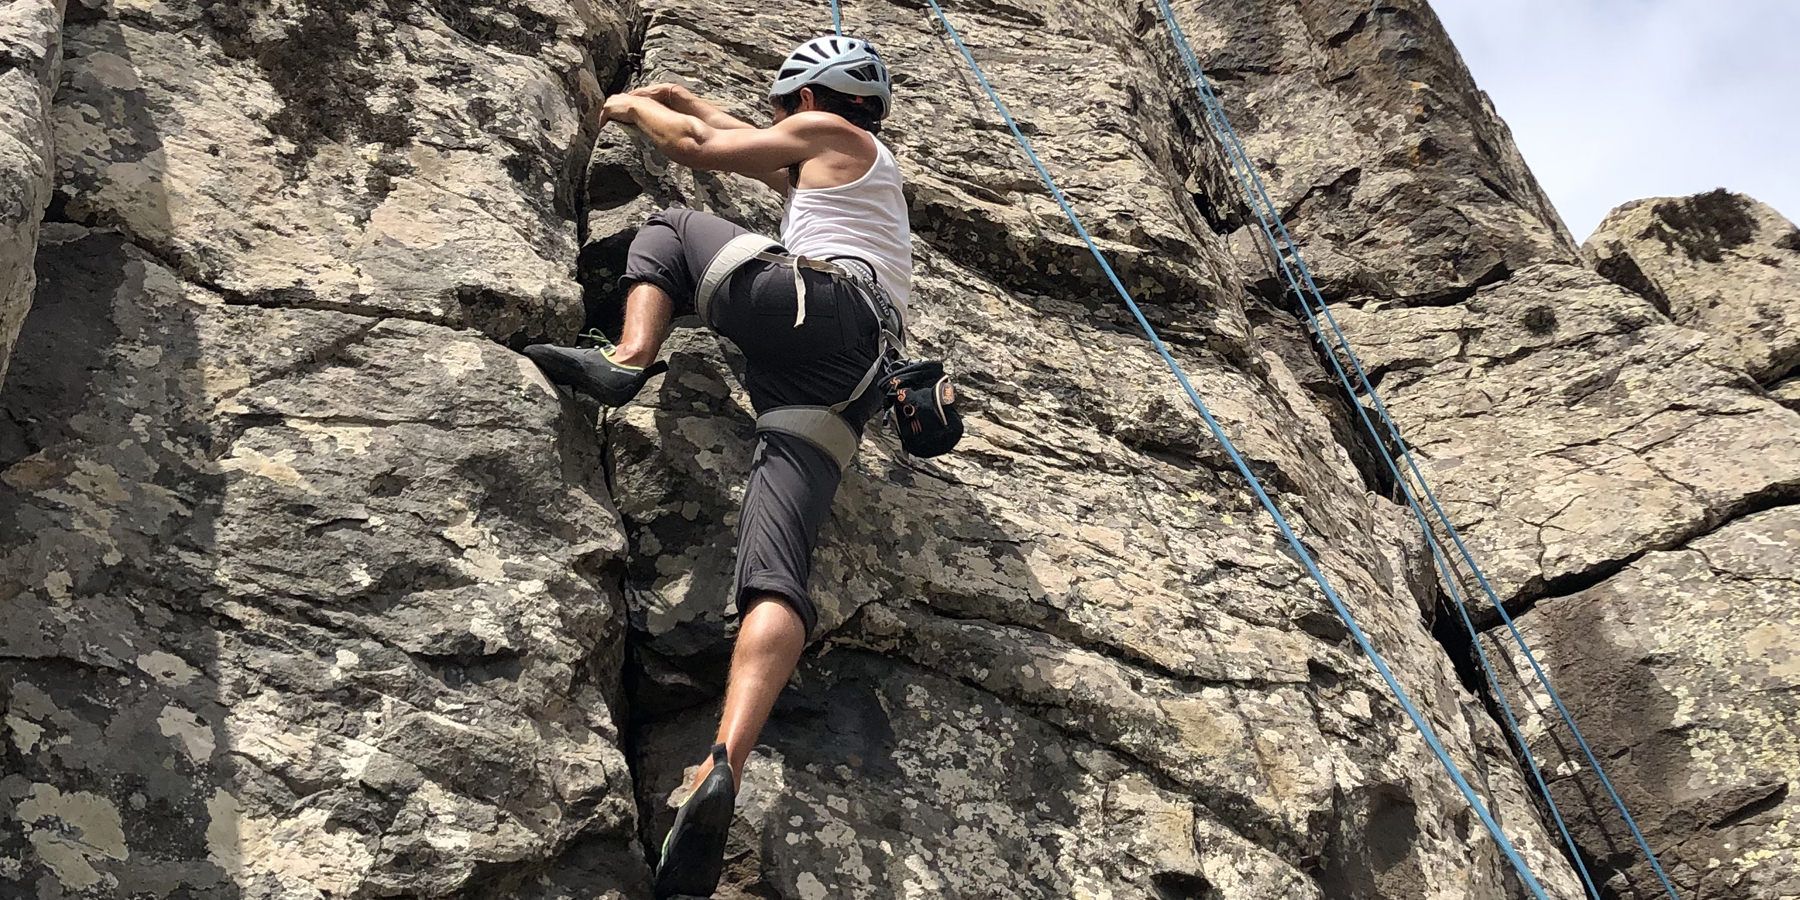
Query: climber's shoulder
[{"x": 824, "y": 132}]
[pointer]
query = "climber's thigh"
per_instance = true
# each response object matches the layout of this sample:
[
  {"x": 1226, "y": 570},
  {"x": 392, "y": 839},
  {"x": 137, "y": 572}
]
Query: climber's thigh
[
  {"x": 819, "y": 362},
  {"x": 789, "y": 498},
  {"x": 673, "y": 249}
]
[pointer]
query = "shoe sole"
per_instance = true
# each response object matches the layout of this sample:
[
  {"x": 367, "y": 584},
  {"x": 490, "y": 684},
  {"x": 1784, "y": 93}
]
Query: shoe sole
[{"x": 694, "y": 860}]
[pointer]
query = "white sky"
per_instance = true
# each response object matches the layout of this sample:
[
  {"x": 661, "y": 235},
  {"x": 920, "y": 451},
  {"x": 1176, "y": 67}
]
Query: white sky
[{"x": 1616, "y": 100}]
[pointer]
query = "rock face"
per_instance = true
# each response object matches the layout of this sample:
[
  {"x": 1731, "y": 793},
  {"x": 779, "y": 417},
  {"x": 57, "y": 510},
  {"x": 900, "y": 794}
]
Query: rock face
[
  {"x": 1386, "y": 161},
  {"x": 309, "y": 587},
  {"x": 1681, "y": 667},
  {"x": 387, "y": 158},
  {"x": 1585, "y": 436},
  {"x": 1718, "y": 262},
  {"x": 306, "y": 578},
  {"x": 1684, "y": 668},
  {"x": 1570, "y": 425},
  {"x": 1068, "y": 660},
  {"x": 29, "y": 56}
]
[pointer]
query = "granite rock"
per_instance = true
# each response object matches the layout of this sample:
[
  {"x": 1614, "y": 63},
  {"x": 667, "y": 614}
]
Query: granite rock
[
  {"x": 1684, "y": 669},
  {"x": 1717, "y": 262}
]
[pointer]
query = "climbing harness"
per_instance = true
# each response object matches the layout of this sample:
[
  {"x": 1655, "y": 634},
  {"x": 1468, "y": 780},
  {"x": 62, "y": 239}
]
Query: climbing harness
[
  {"x": 1286, "y": 253},
  {"x": 1299, "y": 549},
  {"x": 825, "y": 426},
  {"x": 746, "y": 247}
]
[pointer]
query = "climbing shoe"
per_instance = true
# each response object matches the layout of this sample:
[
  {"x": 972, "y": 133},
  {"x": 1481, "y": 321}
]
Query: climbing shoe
[
  {"x": 693, "y": 853},
  {"x": 588, "y": 367}
]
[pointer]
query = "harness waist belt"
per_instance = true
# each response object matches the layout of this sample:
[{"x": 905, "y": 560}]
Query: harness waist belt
[
  {"x": 746, "y": 247},
  {"x": 798, "y": 262}
]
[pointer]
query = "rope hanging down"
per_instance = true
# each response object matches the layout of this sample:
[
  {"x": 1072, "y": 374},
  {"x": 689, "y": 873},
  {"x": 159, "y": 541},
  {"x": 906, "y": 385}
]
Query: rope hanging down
[
  {"x": 1300, "y": 281},
  {"x": 1241, "y": 168},
  {"x": 1256, "y": 487}
]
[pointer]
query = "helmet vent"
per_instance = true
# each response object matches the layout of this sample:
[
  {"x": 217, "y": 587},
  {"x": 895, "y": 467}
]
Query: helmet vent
[{"x": 845, "y": 64}]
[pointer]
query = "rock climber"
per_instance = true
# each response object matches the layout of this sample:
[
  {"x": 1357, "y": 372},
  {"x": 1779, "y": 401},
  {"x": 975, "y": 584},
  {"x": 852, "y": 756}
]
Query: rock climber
[{"x": 813, "y": 313}]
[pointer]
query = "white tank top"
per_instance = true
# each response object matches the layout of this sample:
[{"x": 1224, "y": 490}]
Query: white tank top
[{"x": 865, "y": 219}]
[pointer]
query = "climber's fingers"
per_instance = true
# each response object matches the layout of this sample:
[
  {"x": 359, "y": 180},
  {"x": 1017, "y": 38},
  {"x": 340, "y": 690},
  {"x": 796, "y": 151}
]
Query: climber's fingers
[
  {"x": 667, "y": 93},
  {"x": 618, "y": 108}
]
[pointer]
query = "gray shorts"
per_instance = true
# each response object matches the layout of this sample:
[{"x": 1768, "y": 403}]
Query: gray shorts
[{"x": 792, "y": 482}]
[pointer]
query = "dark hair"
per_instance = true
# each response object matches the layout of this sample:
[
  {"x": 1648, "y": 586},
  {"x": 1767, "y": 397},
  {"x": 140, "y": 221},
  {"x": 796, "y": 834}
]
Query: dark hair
[{"x": 863, "y": 112}]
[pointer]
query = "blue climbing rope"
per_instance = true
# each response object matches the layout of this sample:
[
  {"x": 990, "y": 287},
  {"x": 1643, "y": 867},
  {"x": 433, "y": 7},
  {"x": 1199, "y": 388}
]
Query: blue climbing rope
[
  {"x": 1301, "y": 553},
  {"x": 1240, "y": 167},
  {"x": 837, "y": 18},
  {"x": 1283, "y": 247}
]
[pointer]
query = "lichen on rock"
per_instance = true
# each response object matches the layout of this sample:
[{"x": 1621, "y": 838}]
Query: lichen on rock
[{"x": 1718, "y": 262}]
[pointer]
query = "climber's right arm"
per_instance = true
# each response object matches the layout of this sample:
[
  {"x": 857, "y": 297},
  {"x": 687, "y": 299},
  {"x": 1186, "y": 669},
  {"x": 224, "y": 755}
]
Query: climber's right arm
[
  {"x": 681, "y": 100},
  {"x": 684, "y": 107}
]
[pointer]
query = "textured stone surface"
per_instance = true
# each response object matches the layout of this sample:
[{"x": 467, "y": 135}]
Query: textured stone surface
[
  {"x": 1386, "y": 161},
  {"x": 1718, "y": 262},
  {"x": 310, "y": 588},
  {"x": 310, "y": 585},
  {"x": 1685, "y": 669},
  {"x": 1787, "y": 393},
  {"x": 1570, "y": 426},
  {"x": 387, "y": 158},
  {"x": 1567, "y": 423},
  {"x": 30, "y": 35},
  {"x": 302, "y": 602}
]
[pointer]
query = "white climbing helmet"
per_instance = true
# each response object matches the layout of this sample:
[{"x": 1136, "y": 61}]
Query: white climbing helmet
[{"x": 844, "y": 64}]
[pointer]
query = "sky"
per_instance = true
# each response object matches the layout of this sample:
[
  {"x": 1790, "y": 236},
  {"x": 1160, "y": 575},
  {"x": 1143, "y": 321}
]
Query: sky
[{"x": 1617, "y": 100}]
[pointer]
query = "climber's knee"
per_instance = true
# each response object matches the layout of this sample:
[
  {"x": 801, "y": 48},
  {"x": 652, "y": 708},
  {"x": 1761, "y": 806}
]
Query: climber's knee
[
  {"x": 768, "y": 587},
  {"x": 787, "y": 612}
]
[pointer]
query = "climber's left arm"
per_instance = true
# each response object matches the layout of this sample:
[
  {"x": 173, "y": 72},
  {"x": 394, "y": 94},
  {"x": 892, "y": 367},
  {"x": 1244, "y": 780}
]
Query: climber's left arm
[{"x": 754, "y": 152}]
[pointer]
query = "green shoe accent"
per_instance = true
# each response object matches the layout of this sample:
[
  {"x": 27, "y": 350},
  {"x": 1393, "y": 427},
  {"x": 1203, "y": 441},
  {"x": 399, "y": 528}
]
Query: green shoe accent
[{"x": 595, "y": 339}]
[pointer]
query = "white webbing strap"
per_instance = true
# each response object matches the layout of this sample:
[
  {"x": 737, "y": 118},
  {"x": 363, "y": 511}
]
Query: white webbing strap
[
  {"x": 799, "y": 292},
  {"x": 729, "y": 259},
  {"x": 796, "y": 262},
  {"x": 819, "y": 426},
  {"x": 867, "y": 379}
]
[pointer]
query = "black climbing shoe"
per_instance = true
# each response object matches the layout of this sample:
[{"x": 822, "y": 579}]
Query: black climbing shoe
[
  {"x": 693, "y": 853},
  {"x": 591, "y": 370}
]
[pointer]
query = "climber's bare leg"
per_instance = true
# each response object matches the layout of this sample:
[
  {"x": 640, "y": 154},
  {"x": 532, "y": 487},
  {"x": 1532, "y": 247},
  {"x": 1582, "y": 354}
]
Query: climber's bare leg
[
  {"x": 769, "y": 643},
  {"x": 649, "y": 314}
]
